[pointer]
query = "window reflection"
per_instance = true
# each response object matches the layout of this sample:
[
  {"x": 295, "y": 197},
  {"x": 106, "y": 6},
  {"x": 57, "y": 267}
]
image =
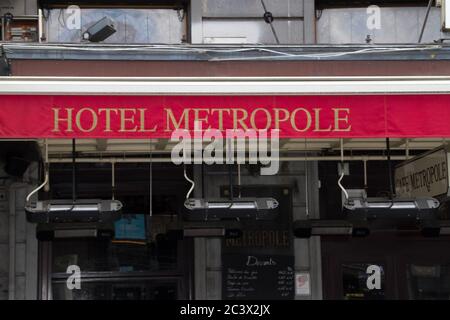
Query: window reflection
[
  {"x": 428, "y": 282},
  {"x": 123, "y": 290},
  {"x": 105, "y": 255},
  {"x": 132, "y": 25},
  {"x": 140, "y": 243}
]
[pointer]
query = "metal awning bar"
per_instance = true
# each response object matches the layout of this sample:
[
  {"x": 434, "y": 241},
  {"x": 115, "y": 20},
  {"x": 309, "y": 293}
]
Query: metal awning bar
[
  {"x": 167, "y": 159},
  {"x": 224, "y": 85}
]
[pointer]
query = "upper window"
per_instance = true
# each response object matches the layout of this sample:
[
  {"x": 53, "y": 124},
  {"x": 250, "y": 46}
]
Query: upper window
[
  {"x": 322, "y": 4},
  {"x": 135, "y": 24}
]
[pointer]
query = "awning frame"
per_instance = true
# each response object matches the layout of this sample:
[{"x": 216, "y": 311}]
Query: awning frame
[{"x": 224, "y": 85}]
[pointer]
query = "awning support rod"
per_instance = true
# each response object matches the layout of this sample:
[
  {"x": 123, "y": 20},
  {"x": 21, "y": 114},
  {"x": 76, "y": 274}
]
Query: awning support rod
[
  {"x": 391, "y": 183},
  {"x": 74, "y": 174},
  {"x": 169, "y": 160}
]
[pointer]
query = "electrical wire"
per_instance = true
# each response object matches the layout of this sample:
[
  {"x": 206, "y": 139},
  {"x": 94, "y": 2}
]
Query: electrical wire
[
  {"x": 46, "y": 169},
  {"x": 269, "y": 21},
  {"x": 38, "y": 188},
  {"x": 191, "y": 181},
  {"x": 342, "y": 171},
  {"x": 331, "y": 54},
  {"x": 430, "y": 2},
  {"x": 277, "y": 54}
]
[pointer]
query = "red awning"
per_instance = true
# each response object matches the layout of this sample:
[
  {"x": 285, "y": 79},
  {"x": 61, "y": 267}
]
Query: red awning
[{"x": 311, "y": 116}]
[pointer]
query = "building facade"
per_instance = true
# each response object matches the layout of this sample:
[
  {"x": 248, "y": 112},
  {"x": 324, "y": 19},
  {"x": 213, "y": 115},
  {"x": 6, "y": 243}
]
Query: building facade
[{"x": 337, "y": 77}]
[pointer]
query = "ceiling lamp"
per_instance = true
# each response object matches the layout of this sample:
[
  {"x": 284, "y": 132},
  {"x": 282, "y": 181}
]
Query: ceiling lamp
[
  {"x": 218, "y": 209},
  {"x": 396, "y": 208},
  {"x": 71, "y": 210},
  {"x": 50, "y": 211}
]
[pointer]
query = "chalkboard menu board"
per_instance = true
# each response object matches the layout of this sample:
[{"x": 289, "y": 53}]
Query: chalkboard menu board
[{"x": 247, "y": 276}]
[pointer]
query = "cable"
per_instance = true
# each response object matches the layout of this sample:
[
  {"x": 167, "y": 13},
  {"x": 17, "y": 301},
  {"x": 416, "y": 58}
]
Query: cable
[
  {"x": 425, "y": 21},
  {"x": 191, "y": 181},
  {"x": 268, "y": 18},
  {"x": 46, "y": 169},
  {"x": 342, "y": 170},
  {"x": 164, "y": 48},
  {"x": 329, "y": 55}
]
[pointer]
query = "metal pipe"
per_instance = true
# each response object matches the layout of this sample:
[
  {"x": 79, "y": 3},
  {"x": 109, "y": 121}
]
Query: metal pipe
[
  {"x": 239, "y": 179},
  {"x": 306, "y": 181},
  {"x": 425, "y": 21},
  {"x": 113, "y": 179},
  {"x": 365, "y": 174},
  {"x": 203, "y": 180},
  {"x": 151, "y": 185},
  {"x": 407, "y": 148},
  {"x": 12, "y": 244},
  {"x": 230, "y": 180},
  {"x": 41, "y": 25},
  {"x": 230, "y": 168},
  {"x": 391, "y": 183},
  {"x": 74, "y": 181},
  {"x": 270, "y": 23},
  {"x": 169, "y": 160}
]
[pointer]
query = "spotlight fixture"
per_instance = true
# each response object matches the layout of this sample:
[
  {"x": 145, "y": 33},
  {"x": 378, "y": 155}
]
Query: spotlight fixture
[
  {"x": 50, "y": 211},
  {"x": 396, "y": 208},
  {"x": 75, "y": 210},
  {"x": 217, "y": 209},
  {"x": 100, "y": 30}
]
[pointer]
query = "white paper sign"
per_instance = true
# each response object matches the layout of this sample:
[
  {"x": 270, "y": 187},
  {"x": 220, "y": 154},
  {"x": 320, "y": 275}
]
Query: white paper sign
[{"x": 302, "y": 284}]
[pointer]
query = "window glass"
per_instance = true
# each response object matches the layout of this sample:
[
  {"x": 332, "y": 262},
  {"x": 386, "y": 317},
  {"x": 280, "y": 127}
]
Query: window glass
[
  {"x": 95, "y": 255},
  {"x": 119, "y": 290},
  {"x": 131, "y": 25},
  {"x": 136, "y": 247},
  {"x": 363, "y": 281},
  {"x": 428, "y": 282}
]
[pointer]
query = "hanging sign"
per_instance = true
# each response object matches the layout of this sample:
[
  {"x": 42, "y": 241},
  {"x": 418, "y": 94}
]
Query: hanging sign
[{"x": 425, "y": 175}]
